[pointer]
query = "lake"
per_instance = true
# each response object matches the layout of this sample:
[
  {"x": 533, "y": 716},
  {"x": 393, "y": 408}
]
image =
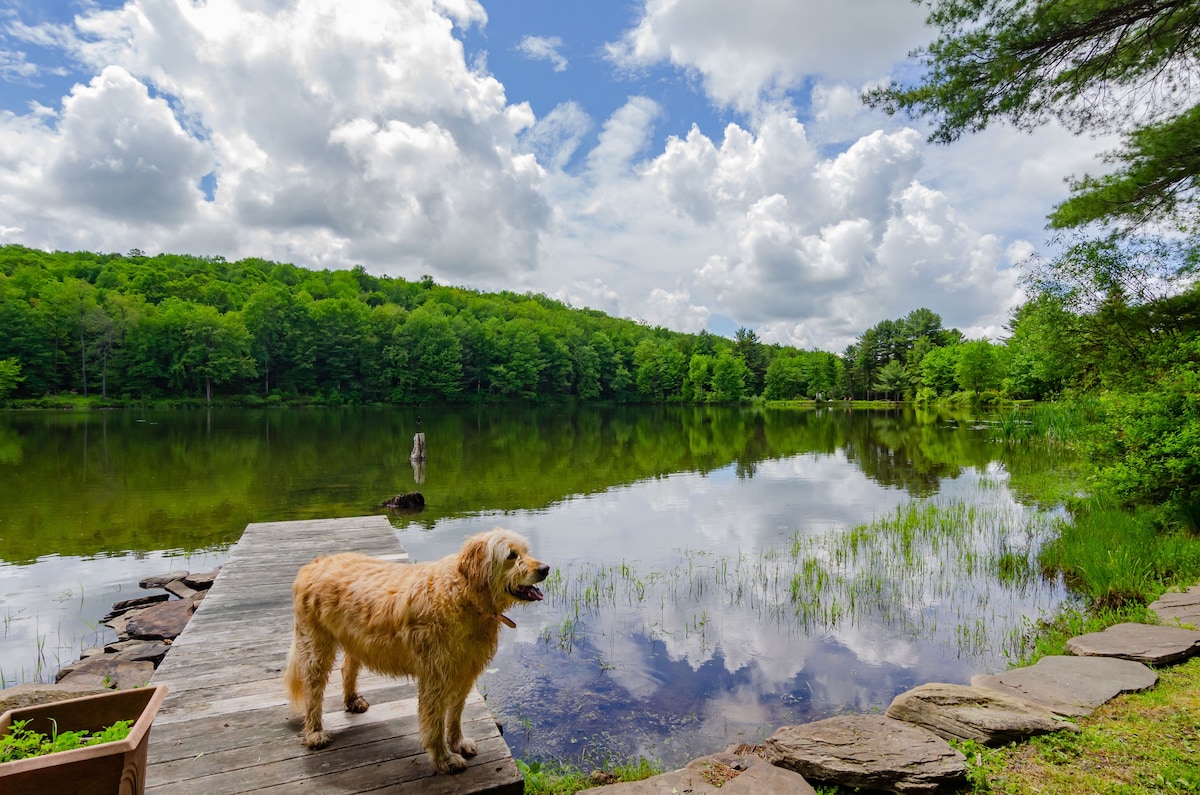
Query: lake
[{"x": 717, "y": 571}]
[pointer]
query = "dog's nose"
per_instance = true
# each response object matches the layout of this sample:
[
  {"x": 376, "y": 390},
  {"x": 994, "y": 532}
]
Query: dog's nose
[{"x": 542, "y": 571}]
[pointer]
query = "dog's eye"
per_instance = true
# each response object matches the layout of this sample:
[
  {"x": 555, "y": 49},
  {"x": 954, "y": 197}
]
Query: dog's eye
[{"x": 512, "y": 554}]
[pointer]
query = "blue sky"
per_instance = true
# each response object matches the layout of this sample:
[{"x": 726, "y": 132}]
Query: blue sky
[{"x": 689, "y": 163}]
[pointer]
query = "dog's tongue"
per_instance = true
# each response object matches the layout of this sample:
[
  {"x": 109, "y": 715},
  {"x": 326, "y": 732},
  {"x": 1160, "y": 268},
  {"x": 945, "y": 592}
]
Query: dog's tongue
[{"x": 531, "y": 592}]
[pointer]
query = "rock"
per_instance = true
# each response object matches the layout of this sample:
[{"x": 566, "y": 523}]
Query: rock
[
  {"x": 410, "y": 500},
  {"x": 728, "y": 774},
  {"x": 202, "y": 581},
  {"x": 151, "y": 651},
  {"x": 1071, "y": 685},
  {"x": 973, "y": 713},
  {"x": 178, "y": 588},
  {"x": 107, "y": 672},
  {"x": 119, "y": 624},
  {"x": 1179, "y": 608},
  {"x": 138, "y": 601},
  {"x": 1145, "y": 643},
  {"x": 160, "y": 580},
  {"x": 141, "y": 651},
  {"x": 161, "y": 621},
  {"x": 35, "y": 693},
  {"x": 868, "y": 751}
]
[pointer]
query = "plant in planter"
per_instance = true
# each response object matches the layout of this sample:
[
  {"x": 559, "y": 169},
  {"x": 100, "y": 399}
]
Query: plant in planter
[
  {"x": 107, "y": 768},
  {"x": 21, "y": 742}
]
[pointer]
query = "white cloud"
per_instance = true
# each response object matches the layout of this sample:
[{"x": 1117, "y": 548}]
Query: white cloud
[
  {"x": 544, "y": 48},
  {"x": 753, "y": 49},
  {"x": 336, "y": 132},
  {"x": 555, "y": 137}
]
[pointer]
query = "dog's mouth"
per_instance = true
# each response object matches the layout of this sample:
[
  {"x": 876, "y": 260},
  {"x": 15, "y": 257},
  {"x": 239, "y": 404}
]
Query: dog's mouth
[{"x": 526, "y": 593}]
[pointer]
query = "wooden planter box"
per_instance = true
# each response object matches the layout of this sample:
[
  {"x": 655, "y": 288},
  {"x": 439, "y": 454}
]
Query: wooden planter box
[{"x": 116, "y": 768}]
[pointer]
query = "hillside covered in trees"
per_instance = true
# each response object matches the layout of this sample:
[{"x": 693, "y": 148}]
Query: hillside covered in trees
[{"x": 136, "y": 327}]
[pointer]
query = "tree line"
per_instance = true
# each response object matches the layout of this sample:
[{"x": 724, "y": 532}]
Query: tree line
[{"x": 137, "y": 327}]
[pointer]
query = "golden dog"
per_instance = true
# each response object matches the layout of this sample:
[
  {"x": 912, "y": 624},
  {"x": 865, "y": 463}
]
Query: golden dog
[{"x": 438, "y": 622}]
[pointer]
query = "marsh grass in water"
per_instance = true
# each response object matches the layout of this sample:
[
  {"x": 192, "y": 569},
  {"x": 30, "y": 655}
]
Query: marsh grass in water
[
  {"x": 962, "y": 572},
  {"x": 1115, "y": 557}
]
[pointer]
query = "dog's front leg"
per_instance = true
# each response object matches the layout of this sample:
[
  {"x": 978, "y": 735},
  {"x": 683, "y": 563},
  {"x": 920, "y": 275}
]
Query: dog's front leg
[
  {"x": 454, "y": 733},
  {"x": 431, "y": 714}
]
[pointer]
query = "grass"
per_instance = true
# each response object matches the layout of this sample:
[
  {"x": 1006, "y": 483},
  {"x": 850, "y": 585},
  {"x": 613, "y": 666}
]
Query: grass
[
  {"x": 1136, "y": 744},
  {"x": 554, "y": 778}
]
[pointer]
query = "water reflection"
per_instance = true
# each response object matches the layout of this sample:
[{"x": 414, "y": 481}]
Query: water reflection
[{"x": 709, "y": 581}]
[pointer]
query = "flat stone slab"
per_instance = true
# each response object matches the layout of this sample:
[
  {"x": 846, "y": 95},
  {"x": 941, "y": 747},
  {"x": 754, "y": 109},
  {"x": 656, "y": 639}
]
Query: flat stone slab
[
  {"x": 106, "y": 672},
  {"x": 872, "y": 752},
  {"x": 1072, "y": 686},
  {"x": 727, "y": 774},
  {"x": 160, "y": 622},
  {"x": 201, "y": 580},
  {"x": 1147, "y": 643},
  {"x": 1179, "y": 608},
  {"x": 959, "y": 712}
]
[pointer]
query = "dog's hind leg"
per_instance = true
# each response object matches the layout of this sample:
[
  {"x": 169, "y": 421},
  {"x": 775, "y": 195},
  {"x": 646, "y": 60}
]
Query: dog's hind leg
[
  {"x": 454, "y": 734},
  {"x": 353, "y": 701},
  {"x": 431, "y": 714}
]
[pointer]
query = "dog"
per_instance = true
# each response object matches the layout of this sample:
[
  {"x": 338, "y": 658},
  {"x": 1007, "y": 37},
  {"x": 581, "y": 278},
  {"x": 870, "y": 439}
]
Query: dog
[{"x": 438, "y": 622}]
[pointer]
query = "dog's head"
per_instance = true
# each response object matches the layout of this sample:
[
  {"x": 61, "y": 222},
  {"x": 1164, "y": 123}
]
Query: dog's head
[{"x": 498, "y": 562}]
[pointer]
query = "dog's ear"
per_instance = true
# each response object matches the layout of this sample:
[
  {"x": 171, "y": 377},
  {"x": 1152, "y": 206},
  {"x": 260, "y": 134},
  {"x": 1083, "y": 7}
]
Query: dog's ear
[{"x": 475, "y": 562}]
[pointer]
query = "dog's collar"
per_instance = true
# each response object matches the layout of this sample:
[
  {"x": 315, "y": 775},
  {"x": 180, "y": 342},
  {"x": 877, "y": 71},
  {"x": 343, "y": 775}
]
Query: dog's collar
[{"x": 506, "y": 620}]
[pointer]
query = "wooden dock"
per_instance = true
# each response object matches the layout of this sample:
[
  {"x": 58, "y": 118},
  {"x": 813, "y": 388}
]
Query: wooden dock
[{"x": 226, "y": 726}]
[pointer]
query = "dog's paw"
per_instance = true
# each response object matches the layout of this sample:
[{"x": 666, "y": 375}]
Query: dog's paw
[
  {"x": 357, "y": 704},
  {"x": 467, "y": 747},
  {"x": 453, "y": 763},
  {"x": 315, "y": 740}
]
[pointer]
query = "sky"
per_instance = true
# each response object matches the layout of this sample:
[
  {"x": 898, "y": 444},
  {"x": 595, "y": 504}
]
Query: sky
[{"x": 693, "y": 164}]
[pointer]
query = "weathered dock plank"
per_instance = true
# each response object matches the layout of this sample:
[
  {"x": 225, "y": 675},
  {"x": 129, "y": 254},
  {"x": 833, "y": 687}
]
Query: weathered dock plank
[{"x": 226, "y": 726}]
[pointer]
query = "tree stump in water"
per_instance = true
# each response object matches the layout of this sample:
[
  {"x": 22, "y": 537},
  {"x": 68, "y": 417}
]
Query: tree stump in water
[{"x": 418, "y": 451}]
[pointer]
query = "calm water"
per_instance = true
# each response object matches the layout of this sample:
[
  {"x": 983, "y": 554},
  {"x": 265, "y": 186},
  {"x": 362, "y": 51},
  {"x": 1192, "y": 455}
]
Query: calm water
[{"x": 708, "y": 582}]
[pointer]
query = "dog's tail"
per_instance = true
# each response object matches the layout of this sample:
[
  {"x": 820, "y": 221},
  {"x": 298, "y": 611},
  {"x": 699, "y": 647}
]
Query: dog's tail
[{"x": 292, "y": 677}]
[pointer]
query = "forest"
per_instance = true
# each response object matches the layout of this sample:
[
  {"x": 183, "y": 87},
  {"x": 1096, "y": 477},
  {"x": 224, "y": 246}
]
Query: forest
[
  {"x": 136, "y": 328},
  {"x": 181, "y": 328}
]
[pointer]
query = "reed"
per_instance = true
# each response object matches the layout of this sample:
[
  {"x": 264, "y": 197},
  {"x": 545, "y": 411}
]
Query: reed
[{"x": 956, "y": 571}]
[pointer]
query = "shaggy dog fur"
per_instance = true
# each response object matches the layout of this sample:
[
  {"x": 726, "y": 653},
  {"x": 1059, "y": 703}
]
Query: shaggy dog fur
[{"x": 438, "y": 622}]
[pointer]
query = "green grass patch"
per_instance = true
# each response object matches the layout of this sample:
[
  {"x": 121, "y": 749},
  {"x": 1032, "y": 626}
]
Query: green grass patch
[
  {"x": 1114, "y": 556},
  {"x": 554, "y": 778}
]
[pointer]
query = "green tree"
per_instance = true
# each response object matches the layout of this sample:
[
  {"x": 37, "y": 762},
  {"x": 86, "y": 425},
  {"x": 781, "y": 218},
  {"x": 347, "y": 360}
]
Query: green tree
[
  {"x": 427, "y": 358},
  {"x": 1127, "y": 66},
  {"x": 785, "y": 378},
  {"x": 754, "y": 354},
  {"x": 978, "y": 367},
  {"x": 938, "y": 369},
  {"x": 730, "y": 376},
  {"x": 892, "y": 379},
  {"x": 1043, "y": 349},
  {"x": 10, "y": 376}
]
